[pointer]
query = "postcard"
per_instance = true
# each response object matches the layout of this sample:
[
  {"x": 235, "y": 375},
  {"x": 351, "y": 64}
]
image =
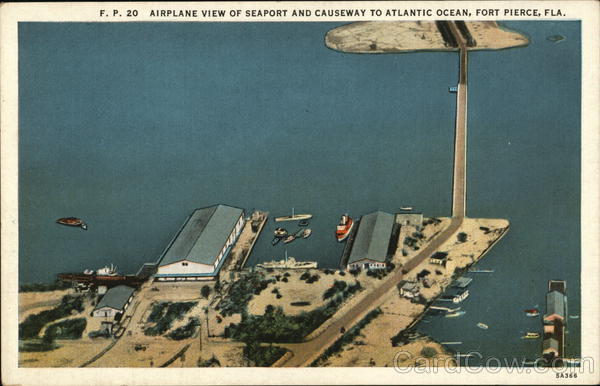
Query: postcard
[{"x": 300, "y": 193}]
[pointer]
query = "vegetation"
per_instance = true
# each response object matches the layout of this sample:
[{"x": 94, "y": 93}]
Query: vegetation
[
  {"x": 44, "y": 287},
  {"x": 205, "y": 291},
  {"x": 275, "y": 326},
  {"x": 348, "y": 337},
  {"x": 31, "y": 327},
  {"x": 212, "y": 362},
  {"x": 242, "y": 292},
  {"x": 99, "y": 334},
  {"x": 334, "y": 289},
  {"x": 262, "y": 356},
  {"x": 67, "y": 329},
  {"x": 300, "y": 304},
  {"x": 37, "y": 345},
  {"x": 164, "y": 314},
  {"x": 462, "y": 237},
  {"x": 186, "y": 331},
  {"x": 429, "y": 352}
]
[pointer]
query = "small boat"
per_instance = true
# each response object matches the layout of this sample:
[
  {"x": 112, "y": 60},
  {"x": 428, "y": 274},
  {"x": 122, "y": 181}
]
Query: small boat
[
  {"x": 476, "y": 270},
  {"x": 275, "y": 240},
  {"x": 574, "y": 316},
  {"x": 532, "y": 312},
  {"x": 556, "y": 38},
  {"x": 482, "y": 326},
  {"x": 289, "y": 239},
  {"x": 461, "y": 296},
  {"x": 303, "y": 223},
  {"x": 294, "y": 217},
  {"x": 72, "y": 222},
  {"x": 288, "y": 263},
  {"x": 88, "y": 272},
  {"x": 406, "y": 208},
  {"x": 531, "y": 335},
  {"x": 306, "y": 234},
  {"x": 455, "y": 314},
  {"x": 343, "y": 229},
  {"x": 107, "y": 271},
  {"x": 280, "y": 232}
]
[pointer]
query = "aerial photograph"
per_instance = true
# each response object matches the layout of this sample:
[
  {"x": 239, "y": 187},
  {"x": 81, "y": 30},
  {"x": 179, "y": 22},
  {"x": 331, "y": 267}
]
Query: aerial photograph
[{"x": 308, "y": 194}]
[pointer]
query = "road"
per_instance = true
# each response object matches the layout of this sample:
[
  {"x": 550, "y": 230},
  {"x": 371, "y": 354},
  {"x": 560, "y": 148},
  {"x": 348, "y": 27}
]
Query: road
[
  {"x": 306, "y": 352},
  {"x": 459, "y": 185}
]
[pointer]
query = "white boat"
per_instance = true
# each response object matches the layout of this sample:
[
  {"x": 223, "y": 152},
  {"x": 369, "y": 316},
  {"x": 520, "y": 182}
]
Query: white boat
[
  {"x": 455, "y": 314},
  {"x": 107, "y": 271},
  {"x": 406, "y": 208},
  {"x": 574, "y": 316},
  {"x": 483, "y": 326},
  {"x": 306, "y": 234},
  {"x": 288, "y": 263},
  {"x": 460, "y": 297},
  {"x": 294, "y": 217}
]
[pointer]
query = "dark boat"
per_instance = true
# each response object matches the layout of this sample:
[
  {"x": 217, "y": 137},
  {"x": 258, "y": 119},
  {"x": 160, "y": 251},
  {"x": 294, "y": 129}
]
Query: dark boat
[
  {"x": 275, "y": 240},
  {"x": 72, "y": 222},
  {"x": 303, "y": 223}
]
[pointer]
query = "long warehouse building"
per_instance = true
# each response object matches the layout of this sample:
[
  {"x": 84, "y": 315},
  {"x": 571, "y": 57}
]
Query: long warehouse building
[
  {"x": 371, "y": 248},
  {"x": 202, "y": 244}
]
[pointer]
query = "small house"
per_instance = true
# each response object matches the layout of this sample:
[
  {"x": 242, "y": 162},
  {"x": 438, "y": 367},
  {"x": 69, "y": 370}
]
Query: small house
[
  {"x": 439, "y": 258},
  {"x": 409, "y": 290},
  {"x": 114, "y": 303}
]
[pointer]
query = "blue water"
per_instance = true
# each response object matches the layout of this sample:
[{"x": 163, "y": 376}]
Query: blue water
[{"x": 132, "y": 126}]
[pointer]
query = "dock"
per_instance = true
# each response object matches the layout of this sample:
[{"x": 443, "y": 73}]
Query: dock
[{"x": 348, "y": 246}]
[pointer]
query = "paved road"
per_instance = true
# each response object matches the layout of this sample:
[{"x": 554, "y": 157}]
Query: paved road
[
  {"x": 459, "y": 187},
  {"x": 305, "y": 353}
]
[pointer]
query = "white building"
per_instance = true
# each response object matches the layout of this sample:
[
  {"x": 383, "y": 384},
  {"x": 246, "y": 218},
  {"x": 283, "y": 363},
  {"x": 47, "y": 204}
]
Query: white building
[
  {"x": 114, "y": 303},
  {"x": 371, "y": 246},
  {"x": 201, "y": 246}
]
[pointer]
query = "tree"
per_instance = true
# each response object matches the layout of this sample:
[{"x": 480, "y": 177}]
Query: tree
[
  {"x": 205, "y": 291},
  {"x": 428, "y": 352},
  {"x": 462, "y": 237}
]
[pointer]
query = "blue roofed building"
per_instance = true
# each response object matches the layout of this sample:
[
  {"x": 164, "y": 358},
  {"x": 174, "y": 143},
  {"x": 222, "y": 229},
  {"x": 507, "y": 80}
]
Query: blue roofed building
[
  {"x": 202, "y": 245},
  {"x": 371, "y": 246}
]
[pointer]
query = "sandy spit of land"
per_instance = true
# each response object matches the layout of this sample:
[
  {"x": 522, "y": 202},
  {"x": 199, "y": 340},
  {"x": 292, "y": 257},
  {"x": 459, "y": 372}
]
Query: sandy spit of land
[{"x": 410, "y": 36}]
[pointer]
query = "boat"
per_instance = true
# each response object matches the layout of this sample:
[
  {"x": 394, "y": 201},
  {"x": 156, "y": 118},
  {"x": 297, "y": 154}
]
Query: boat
[
  {"x": 303, "y": 223},
  {"x": 476, "y": 270},
  {"x": 275, "y": 240},
  {"x": 107, "y": 271},
  {"x": 294, "y": 217},
  {"x": 532, "y": 312},
  {"x": 556, "y": 38},
  {"x": 88, "y": 272},
  {"x": 344, "y": 228},
  {"x": 531, "y": 335},
  {"x": 455, "y": 314},
  {"x": 482, "y": 326},
  {"x": 72, "y": 222},
  {"x": 406, "y": 208},
  {"x": 288, "y": 263},
  {"x": 289, "y": 239},
  {"x": 461, "y": 296},
  {"x": 280, "y": 232},
  {"x": 306, "y": 234},
  {"x": 574, "y": 316}
]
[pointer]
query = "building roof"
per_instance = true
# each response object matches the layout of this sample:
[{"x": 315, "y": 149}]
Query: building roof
[
  {"x": 555, "y": 304},
  {"x": 372, "y": 238},
  {"x": 115, "y": 297},
  {"x": 440, "y": 255},
  {"x": 410, "y": 286},
  {"x": 463, "y": 282},
  {"x": 203, "y": 235}
]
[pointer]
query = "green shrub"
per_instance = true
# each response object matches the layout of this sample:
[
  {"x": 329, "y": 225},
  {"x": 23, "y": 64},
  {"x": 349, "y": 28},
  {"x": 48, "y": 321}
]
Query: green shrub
[
  {"x": 173, "y": 311},
  {"x": 261, "y": 356},
  {"x": 429, "y": 352},
  {"x": 44, "y": 287},
  {"x": 205, "y": 291},
  {"x": 186, "y": 331},
  {"x": 305, "y": 275},
  {"x": 242, "y": 291},
  {"x": 67, "y": 329},
  {"x": 37, "y": 345},
  {"x": 212, "y": 362},
  {"x": 32, "y": 325},
  {"x": 300, "y": 304}
]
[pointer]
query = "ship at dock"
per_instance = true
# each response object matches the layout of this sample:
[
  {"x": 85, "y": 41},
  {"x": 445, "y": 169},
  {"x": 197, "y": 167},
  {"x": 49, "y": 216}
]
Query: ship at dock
[
  {"x": 294, "y": 217},
  {"x": 344, "y": 228},
  {"x": 287, "y": 263}
]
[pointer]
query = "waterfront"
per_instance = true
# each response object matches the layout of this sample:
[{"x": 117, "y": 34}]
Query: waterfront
[{"x": 130, "y": 147}]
